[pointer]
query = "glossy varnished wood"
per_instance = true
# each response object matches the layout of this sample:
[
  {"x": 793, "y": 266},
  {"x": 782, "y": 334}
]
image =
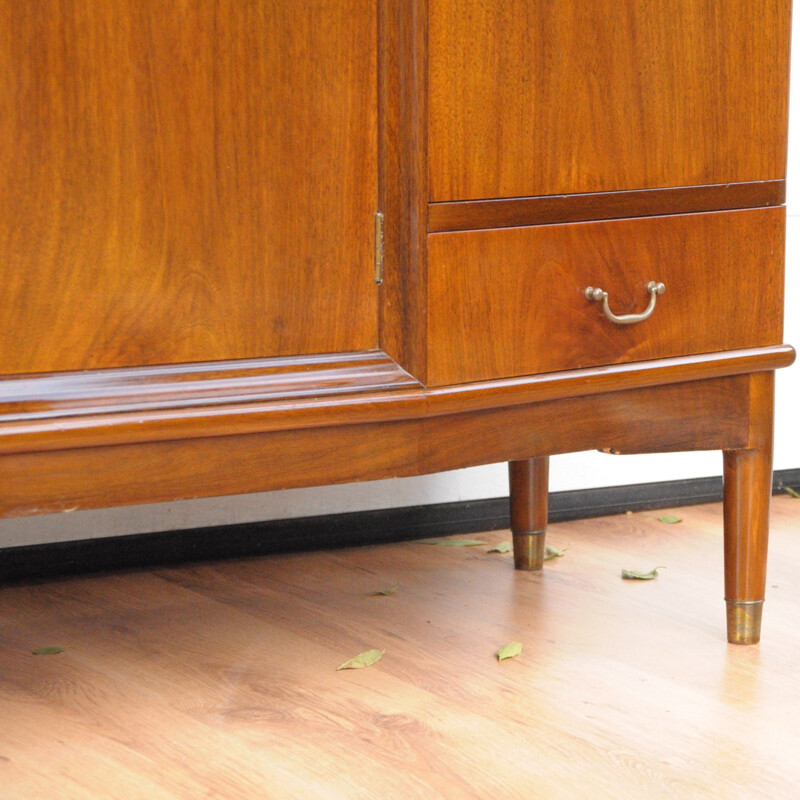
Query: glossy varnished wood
[
  {"x": 143, "y": 390},
  {"x": 525, "y": 286},
  {"x": 219, "y": 679},
  {"x": 528, "y": 490},
  {"x": 92, "y": 409},
  {"x": 748, "y": 491},
  {"x": 47, "y": 416},
  {"x": 403, "y": 179},
  {"x": 700, "y": 415},
  {"x": 599, "y": 380},
  {"x": 185, "y": 182},
  {"x": 511, "y": 212},
  {"x": 540, "y": 98}
]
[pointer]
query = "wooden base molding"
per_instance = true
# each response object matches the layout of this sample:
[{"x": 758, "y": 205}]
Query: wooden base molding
[
  {"x": 115, "y": 407},
  {"x": 66, "y": 460},
  {"x": 143, "y": 390}
]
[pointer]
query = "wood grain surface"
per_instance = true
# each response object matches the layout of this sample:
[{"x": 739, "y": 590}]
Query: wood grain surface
[
  {"x": 143, "y": 390},
  {"x": 220, "y": 679},
  {"x": 539, "y": 98},
  {"x": 511, "y": 301},
  {"x": 185, "y": 181},
  {"x": 65, "y": 473},
  {"x": 747, "y": 477},
  {"x": 139, "y": 405},
  {"x": 403, "y": 179},
  {"x": 464, "y": 215}
]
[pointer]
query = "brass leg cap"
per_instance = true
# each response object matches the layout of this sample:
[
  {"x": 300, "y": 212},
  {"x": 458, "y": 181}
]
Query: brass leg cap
[
  {"x": 528, "y": 550},
  {"x": 744, "y": 621}
]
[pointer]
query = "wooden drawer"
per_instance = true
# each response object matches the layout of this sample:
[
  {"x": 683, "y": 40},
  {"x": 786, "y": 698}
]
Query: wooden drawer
[{"x": 512, "y": 301}]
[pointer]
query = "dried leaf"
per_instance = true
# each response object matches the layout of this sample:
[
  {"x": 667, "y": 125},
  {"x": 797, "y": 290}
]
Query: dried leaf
[
  {"x": 503, "y": 547},
  {"x": 452, "y": 542},
  {"x": 790, "y": 491},
  {"x": 670, "y": 519},
  {"x": 552, "y": 552},
  {"x": 386, "y": 592},
  {"x": 510, "y": 650},
  {"x": 365, "y": 659},
  {"x": 633, "y": 575},
  {"x": 48, "y": 651}
]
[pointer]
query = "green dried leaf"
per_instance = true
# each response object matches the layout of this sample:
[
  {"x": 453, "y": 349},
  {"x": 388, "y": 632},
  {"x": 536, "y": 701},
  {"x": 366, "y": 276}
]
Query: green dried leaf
[
  {"x": 510, "y": 650},
  {"x": 633, "y": 575},
  {"x": 670, "y": 519},
  {"x": 386, "y": 592},
  {"x": 452, "y": 542},
  {"x": 552, "y": 552},
  {"x": 365, "y": 659},
  {"x": 790, "y": 491},
  {"x": 503, "y": 547},
  {"x": 48, "y": 651}
]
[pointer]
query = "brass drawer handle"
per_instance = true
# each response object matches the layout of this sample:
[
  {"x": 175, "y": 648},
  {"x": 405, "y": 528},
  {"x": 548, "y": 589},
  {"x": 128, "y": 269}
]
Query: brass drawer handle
[{"x": 654, "y": 288}]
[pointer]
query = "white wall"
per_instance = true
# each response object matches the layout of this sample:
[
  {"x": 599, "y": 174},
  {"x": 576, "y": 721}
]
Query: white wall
[{"x": 575, "y": 471}]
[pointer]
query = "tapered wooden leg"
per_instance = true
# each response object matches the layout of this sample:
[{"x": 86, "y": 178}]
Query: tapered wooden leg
[
  {"x": 528, "y": 494},
  {"x": 748, "y": 489}
]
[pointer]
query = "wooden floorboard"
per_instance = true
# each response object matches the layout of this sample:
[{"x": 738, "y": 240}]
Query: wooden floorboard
[{"x": 220, "y": 680}]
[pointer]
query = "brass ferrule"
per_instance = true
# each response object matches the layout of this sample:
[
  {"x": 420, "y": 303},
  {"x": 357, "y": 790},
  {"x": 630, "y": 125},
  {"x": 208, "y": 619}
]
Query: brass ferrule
[
  {"x": 529, "y": 550},
  {"x": 744, "y": 621}
]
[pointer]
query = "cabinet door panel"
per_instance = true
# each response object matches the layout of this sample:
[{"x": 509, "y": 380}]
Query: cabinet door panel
[
  {"x": 543, "y": 97},
  {"x": 185, "y": 181}
]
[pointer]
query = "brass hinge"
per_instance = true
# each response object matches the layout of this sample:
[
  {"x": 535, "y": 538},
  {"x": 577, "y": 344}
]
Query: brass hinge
[{"x": 379, "y": 247}]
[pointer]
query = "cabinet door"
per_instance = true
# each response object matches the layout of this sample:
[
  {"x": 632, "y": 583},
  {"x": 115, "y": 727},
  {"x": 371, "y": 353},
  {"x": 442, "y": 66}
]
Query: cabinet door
[
  {"x": 543, "y": 97},
  {"x": 185, "y": 181}
]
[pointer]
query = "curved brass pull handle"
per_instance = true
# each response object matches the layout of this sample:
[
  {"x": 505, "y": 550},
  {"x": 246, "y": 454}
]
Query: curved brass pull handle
[{"x": 654, "y": 288}]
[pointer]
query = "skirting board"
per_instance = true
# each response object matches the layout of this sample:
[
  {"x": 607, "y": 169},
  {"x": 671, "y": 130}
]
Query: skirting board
[{"x": 345, "y": 530}]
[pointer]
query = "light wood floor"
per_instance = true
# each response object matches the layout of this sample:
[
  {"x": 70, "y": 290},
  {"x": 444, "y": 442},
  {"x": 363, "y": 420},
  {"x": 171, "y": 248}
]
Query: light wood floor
[{"x": 220, "y": 681}]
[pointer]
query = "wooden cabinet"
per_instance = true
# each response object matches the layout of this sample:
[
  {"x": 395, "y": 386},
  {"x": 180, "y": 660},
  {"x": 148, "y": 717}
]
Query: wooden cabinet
[{"x": 251, "y": 244}]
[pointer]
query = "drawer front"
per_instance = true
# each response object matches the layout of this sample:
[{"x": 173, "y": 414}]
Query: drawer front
[{"x": 512, "y": 301}]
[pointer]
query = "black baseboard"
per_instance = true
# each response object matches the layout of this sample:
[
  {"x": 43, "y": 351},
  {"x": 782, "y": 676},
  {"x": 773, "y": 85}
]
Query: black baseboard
[{"x": 344, "y": 530}]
